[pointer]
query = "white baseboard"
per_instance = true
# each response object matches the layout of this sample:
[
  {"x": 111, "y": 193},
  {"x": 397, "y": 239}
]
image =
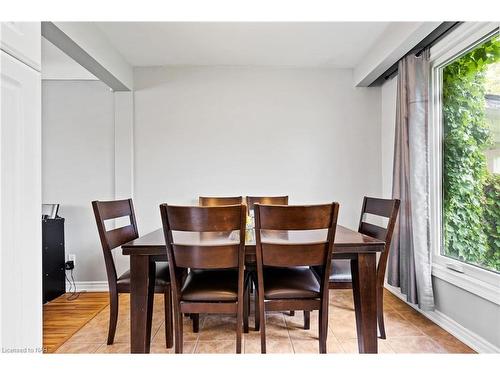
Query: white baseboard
[
  {"x": 89, "y": 286},
  {"x": 465, "y": 335}
]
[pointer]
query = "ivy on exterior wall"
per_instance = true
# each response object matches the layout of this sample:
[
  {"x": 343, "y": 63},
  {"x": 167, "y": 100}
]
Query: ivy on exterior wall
[{"x": 471, "y": 194}]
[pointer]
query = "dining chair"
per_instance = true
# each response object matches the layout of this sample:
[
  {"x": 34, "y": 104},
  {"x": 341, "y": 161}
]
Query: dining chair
[
  {"x": 250, "y": 202},
  {"x": 340, "y": 275},
  {"x": 210, "y": 202},
  {"x": 114, "y": 238},
  {"x": 279, "y": 200},
  {"x": 285, "y": 278},
  {"x": 219, "y": 201},
  {"x": 214, "y": 282}
]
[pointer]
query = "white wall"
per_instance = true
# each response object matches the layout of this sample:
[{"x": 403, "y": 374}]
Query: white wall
[
  {"x": 470, "y": 315},
  {"x": 234, "y": 130},
  {"x": 78, "y": 164}
]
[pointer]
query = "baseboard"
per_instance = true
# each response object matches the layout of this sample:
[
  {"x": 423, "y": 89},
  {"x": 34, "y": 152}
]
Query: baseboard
[
  {"x": 89, "y": 286},
  {"x": 465, "y": 335}
]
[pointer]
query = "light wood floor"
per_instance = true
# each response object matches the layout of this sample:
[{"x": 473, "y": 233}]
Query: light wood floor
[
  {"x": 407, "y": 330},
  {"x": 63, "y": 318}
]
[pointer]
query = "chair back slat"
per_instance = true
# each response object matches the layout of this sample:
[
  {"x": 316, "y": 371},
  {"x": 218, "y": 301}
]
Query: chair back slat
[
  {"x": 378, "y": 206},
  {"x": 219, "y": 201},
  {"x": 107, "y": 210},
  {"x": 294, "y": 255},
  {"x": 114, "y": 209},
  {"x": 206, "y": 252},
  {"x": 204, "y": 219},
  {"x": 119, "y": 236},
  {"x": 277, "y": 200},
  {"x": 387, "y": 208},
  {"x": 206, "y": 257},
  {"x": 294, "y": 251},
  {"x": 373, "y": 230},
  {"x": 295, "y": 217}
]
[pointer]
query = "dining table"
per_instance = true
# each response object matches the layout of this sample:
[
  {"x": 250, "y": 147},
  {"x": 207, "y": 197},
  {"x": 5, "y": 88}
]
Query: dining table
[{"x": 361, "y": 249}]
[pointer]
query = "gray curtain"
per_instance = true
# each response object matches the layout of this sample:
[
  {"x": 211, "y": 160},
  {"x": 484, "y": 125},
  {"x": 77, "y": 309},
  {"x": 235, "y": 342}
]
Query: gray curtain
[{"x": 410, "y": 258}]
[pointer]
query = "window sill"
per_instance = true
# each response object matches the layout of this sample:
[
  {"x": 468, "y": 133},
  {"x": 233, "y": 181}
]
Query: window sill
[{"x": 471, "y": 284}]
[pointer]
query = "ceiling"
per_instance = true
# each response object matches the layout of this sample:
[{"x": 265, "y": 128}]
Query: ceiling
[{"x": 327, "y": 44}]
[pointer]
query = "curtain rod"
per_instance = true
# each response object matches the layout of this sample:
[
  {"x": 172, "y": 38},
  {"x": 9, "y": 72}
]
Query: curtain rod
[{"x": 441, "y": 31}]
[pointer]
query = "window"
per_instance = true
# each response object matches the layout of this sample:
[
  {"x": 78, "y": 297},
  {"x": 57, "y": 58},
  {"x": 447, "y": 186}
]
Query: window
[
  {"x": 470, "y": 156},
  {"x": 464, "y": 157}
]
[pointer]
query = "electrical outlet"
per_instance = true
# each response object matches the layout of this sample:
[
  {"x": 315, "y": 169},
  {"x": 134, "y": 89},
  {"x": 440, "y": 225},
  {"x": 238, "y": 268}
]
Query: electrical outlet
[{"x": 72, "y": 257}]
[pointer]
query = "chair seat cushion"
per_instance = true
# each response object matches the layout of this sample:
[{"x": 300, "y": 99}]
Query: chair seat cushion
[
  {"x": 210, "y": 286},
  {"x": 162, "y": 276},
  {"x": 292, "y": 282},
  {"x": 341, "y": 271}
]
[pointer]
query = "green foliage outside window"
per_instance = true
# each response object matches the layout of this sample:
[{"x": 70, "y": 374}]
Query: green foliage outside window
[{"x": 471, "y": 194}]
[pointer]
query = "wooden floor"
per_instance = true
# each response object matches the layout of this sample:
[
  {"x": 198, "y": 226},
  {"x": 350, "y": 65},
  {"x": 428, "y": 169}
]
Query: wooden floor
[
  {"x": 407, "y": 330},
  {"x": 62, "y": 318}
]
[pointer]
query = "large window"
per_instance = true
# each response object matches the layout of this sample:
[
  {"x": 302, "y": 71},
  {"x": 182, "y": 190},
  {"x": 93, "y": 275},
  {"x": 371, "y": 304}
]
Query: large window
[{"x": 470, "y": 155}]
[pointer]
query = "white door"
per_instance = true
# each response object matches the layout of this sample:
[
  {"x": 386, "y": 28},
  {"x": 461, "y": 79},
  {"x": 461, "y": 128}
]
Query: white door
[{"x": 20, "y": 206}]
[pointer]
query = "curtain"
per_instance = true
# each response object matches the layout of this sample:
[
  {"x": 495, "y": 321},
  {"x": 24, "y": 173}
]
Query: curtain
[{"x": 410, "y": 258}]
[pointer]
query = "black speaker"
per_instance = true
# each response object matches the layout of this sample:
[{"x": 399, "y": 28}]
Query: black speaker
[{"x": 53, "y": 258}]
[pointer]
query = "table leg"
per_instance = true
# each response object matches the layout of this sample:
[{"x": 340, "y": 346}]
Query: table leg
[
  {"x": 364, "y": 289},
  {"x": 141, "y": 302}
]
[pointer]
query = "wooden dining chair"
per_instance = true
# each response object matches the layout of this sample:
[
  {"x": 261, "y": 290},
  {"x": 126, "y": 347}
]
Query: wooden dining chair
[
  {"x": 285, "y": 278},
  {"x": 340, "y": 275},
  {"x": 114, "y": 238},
  {"x": 214, "y": 283},
  {"x": 279, "y": 200},
  {"x": 219, "y": 201},
  {"x": 250, "y": 202},
  {"x": 210, "y": 202}
]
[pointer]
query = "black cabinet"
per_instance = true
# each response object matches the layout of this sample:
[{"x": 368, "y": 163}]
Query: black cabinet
[{"x": 53, "y": 258}]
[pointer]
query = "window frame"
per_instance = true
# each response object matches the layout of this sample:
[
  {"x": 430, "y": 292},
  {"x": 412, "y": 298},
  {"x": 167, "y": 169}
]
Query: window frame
[{"x": 472, "y": 278}]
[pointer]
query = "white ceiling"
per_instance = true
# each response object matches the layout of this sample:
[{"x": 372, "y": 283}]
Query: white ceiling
[{"x": 328, "y": 44}]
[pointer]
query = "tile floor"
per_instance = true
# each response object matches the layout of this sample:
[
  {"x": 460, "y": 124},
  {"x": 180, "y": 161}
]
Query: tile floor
[{"x": 407, "y": 332}]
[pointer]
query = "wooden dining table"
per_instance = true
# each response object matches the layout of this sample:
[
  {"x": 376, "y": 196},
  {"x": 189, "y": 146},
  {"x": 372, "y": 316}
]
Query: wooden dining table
[{"x": 359, "y": 248}]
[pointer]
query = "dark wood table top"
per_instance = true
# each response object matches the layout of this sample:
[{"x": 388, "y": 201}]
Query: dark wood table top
[{"x": 346, "y": 240}]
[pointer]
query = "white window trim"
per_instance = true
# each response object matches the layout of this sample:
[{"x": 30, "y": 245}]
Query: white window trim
[{"x": 474, "y": 279}]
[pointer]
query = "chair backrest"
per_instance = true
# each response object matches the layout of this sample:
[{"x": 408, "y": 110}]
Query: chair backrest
[
  {"x": 219, "y": 201},
  {"x": 187, "y": 247},
  {"x": 309, "y": 247},
  {"x": 277, "y": 200},
  {"x": 385, "y": 208},
  {"x": 111, "y": 239}
]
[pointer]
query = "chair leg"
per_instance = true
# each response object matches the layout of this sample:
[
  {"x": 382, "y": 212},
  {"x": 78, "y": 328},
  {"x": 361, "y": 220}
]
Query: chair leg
[
  {"x": 239, "y": 325},
  {"x": 262, "y": 313},
  {"x": 307, "y": 319},
  {"x": 380, "y": 312},
  {"x": 246, "y": 305},
  {"x": 168, "y": 317},
  {"x": 178, "y": 316},
  {"x": 181, "y": 333},
  {"x": 323, "y": 330},
  {"x": 113, "y": 316},
  {"x": 196, "y": 322},
  {"x": 257, "y": 309}
]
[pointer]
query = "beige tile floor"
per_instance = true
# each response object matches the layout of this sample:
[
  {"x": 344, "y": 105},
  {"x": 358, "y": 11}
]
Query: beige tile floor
[{"x": 407, "y": 332}]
